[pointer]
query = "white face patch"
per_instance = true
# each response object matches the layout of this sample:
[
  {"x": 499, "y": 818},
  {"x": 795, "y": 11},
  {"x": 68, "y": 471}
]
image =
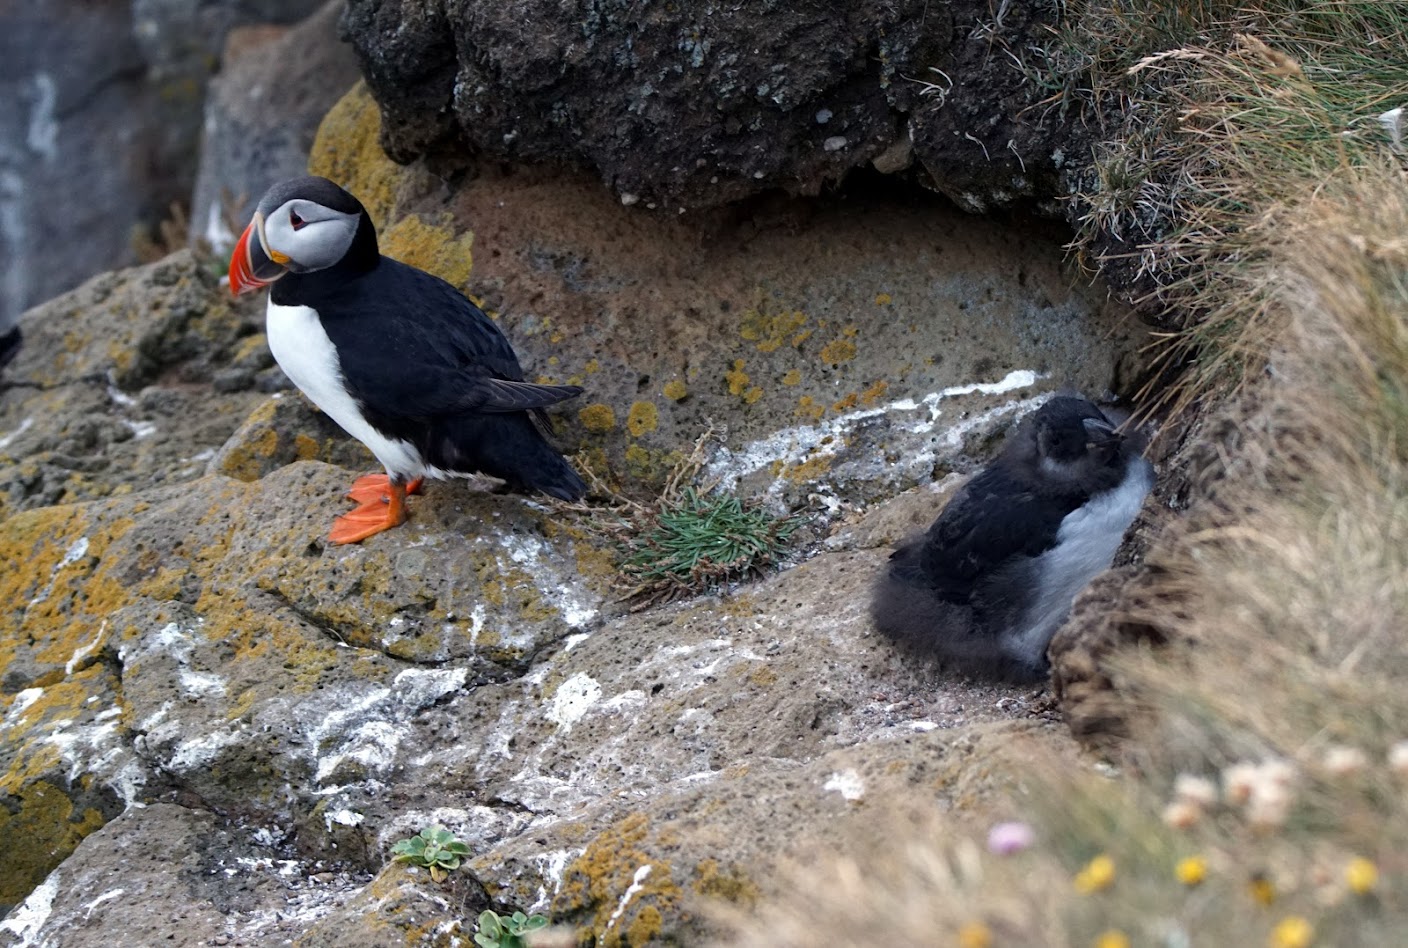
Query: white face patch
[
  {"x": 303, "y": 350},
  {"x": 312, "y": 236}
]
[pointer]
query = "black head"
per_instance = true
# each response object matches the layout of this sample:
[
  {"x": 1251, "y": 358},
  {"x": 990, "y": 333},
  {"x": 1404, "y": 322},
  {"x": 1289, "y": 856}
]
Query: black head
[
  {"x": 302, "y": 225},
  {"x": 1069, "y": 445},
  {"x": 1070, "y": 429}
]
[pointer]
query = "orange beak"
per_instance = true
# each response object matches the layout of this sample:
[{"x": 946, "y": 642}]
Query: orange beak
[{"x": 251, "y": 266}]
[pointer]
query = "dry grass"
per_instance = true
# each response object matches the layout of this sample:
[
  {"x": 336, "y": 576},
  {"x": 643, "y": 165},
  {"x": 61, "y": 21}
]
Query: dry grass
[
  {"x": 1227, "y": 111},
  {"x": 1268, "y": 765}
]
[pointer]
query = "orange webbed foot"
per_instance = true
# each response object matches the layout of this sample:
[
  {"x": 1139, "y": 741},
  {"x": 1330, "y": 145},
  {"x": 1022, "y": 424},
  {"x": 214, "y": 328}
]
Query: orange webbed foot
[
  {"x": 372, "y": 517},
  {"x": 370, "y": 488}
]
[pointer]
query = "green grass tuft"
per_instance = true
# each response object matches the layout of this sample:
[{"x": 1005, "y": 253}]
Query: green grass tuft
[{"x": 700, "y": 542}]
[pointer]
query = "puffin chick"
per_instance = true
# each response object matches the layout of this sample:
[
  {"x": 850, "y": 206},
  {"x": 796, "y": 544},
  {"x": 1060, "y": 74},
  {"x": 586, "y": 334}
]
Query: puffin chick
[
  {"x": 396, "y": 356},
  {"x": 987, "y": 586}
]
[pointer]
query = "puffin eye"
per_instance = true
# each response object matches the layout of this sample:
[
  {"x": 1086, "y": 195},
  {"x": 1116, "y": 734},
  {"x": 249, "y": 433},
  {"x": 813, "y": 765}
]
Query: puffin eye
[{"x": 295, "y": 220}]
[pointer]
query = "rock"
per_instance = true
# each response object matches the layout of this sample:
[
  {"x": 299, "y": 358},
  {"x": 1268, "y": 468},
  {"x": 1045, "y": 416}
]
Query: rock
[
  {"x": 284, "y": 429},
  {"x": 261, "y": 113},
  {"x": 257, "y": 671},
  {"x": 100, "y": 112},
  {"x": 853, "y": 347},
  {"x": 135, "y": 879},
  {"x": 696, "y": 105},
  {"x": 353, "y": 696},
  {"x": 692, "y": 106},
  {"x": 115, "y": 387}
]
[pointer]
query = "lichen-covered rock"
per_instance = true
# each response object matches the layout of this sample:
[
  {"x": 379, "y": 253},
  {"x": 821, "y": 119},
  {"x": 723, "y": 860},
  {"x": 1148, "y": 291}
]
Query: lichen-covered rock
[
  {"x": 202, "y": 635},
  {"x": 119, "y": 387},
  {"x": 173, "y": 875},
  {"x": 284, "y": 429}
]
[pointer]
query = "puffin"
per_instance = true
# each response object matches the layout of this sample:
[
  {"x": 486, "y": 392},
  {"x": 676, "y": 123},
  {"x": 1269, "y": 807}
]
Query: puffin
[
  {"x": 396, "y": 356},
  {"x": 986, "y": 587}
]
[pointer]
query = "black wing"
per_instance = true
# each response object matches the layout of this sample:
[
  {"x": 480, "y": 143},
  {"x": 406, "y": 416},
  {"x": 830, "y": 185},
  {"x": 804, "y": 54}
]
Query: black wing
[
  {"x": 411, "y": 346},
  {"x": 993, "y": 519}
]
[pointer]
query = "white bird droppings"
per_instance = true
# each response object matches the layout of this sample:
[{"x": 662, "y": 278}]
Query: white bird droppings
[
  {"x": 847, "y": 783},
  {"x": 572, "y": 699}
]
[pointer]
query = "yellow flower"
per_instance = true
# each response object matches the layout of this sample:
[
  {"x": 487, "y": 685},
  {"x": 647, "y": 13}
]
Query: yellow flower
[
  {"x": 1113, "y": 938},
  {"x": 975, "y": 935},
  {"x": 1262, "y": 890},
  {"x": 1362, "y": 875},
  {"x": 1192, "y": 870},
  {"x": 1292, "y": 932},
  {"x": 1098, "y": 874}
]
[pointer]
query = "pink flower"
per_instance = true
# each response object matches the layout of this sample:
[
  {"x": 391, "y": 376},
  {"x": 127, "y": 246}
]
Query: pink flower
[{"x": 1004, "y": 839}]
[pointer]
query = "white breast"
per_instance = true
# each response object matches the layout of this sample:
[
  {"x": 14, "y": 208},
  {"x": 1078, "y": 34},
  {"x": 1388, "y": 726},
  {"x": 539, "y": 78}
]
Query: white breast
[
  {"x": 1086, "y": 543},
  {"x": 306, "y": 354}
]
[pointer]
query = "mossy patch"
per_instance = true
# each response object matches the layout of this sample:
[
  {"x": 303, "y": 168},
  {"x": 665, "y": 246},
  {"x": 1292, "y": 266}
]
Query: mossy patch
[{"x": 675, "y": 390}]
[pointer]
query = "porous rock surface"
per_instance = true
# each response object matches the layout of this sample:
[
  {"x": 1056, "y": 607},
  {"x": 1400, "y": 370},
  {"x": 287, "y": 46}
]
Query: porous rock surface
[
  {"x": 696, "y": 104},
  {"x": 185, "y": 658}
]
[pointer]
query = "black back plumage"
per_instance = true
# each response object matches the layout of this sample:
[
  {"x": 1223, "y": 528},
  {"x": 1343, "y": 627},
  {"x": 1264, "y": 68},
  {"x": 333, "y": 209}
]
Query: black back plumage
[
  {"x": 427, "y": 366},
  {"x": 952, "y": 591}
]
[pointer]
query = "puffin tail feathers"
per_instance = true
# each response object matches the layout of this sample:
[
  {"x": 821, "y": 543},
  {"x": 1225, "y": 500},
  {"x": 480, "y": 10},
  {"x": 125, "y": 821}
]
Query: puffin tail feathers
[
  {"x": 508, "y": 446},
  {"x": 505, "y": 395}
]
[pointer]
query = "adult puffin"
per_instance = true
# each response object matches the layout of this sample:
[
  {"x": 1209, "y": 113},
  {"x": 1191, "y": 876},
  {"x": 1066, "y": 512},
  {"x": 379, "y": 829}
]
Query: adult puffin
[{"x": 396, "y": 356}]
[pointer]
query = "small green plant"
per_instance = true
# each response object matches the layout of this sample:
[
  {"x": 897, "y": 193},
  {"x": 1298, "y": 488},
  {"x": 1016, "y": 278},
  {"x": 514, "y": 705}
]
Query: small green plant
[
  {"x": 435, "y": 848},
  {"x": 699, "y": 541},
  {"x": 495, "y": 931}
]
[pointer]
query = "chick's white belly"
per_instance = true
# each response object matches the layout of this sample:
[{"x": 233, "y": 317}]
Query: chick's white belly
[
  {"x": 1086, "y": 543},
  {"x": 303, "y": 350}
]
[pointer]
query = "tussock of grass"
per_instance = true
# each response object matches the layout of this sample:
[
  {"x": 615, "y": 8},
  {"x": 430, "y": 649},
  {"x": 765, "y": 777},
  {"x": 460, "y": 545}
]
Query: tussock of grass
[
  {"x": 688, "y": 541},
  {"x": 699, "y": 542},
  {"x": 1228, "y": 112}
]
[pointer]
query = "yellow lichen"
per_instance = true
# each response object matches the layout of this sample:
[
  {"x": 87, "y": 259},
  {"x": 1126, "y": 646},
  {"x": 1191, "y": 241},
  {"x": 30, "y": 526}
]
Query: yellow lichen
[
  {"x": 846, "y": 403},
  {"x": 872, "y": 394},
  {"x": 808, "y": 470},
  {"x": 736, "y": 378},
  {"x": 606, "y": 870},
  {"x": 642, "y": 419},
  {"x": 434, "y": 248},
  {"x": 883, "y": 299},
  {"x": 592, "y": 367},
  {"x": 793, "y": 377},
  {"x": 752, "y": 395},
  {"x": 304, "y": 447},
  {"x": 675, "y": 390},
  {"x": 770, "y": 330},
  {"x": 809, "y": 409},
  {"x": 597, "y": 417},
  {"x": 837, "y": 351}
]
